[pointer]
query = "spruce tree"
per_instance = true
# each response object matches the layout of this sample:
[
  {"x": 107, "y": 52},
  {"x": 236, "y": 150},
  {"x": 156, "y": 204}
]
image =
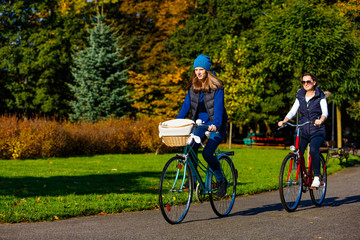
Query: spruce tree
[{"x": 100, "y": 89}]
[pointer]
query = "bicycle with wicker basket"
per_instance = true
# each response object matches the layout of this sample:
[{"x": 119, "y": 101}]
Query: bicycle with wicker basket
[{"x": 177, "y": 185}]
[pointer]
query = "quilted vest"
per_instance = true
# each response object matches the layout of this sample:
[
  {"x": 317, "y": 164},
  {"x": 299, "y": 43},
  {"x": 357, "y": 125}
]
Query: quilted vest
[
  {"x": 208, "y": 101},
  {"x": 310, "y": 111}
]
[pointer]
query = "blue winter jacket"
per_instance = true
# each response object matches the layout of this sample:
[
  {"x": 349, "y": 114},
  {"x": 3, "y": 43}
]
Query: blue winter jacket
[{"x": 207, "y": 106}]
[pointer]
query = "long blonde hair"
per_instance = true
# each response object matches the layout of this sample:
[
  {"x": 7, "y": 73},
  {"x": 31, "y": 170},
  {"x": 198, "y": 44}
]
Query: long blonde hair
[{"x": 211, "y": 82}]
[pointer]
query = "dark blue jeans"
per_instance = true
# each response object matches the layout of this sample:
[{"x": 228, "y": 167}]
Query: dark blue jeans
[
  {"x": 315, "y": 141},
  {"x": 213, "y": 142}
]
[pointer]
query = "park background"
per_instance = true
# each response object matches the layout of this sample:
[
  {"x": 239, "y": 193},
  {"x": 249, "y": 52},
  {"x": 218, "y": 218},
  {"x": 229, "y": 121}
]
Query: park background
[
  {"x": 97, "y": 76},
  {"x": 85, "y": 83},
  {"x": 74, "y": 62}
]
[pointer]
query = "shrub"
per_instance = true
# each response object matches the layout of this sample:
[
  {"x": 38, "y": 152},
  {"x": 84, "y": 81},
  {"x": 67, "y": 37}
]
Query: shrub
[
  {"x": 8, "y": 129},
  {"x": 40, "y": 137},
  {"x": 33, "y": 138}
]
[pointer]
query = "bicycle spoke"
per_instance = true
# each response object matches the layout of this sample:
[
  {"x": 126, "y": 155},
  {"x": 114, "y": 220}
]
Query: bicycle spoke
[
  {"x": 290, "y": 183},
  {"x": 222, "y": 206},
  {"x": 318, "y": 195},
  {"x": 174, "y": 196}
]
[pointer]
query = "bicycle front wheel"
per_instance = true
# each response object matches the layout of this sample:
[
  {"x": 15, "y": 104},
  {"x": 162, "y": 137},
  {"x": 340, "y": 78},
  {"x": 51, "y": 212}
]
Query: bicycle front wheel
[
  {"x": 290, "y": 183},
  {"x": 318, "y": 195},
  {"x": 222, "y": 206},
  {"x": 175, "y": 190}
]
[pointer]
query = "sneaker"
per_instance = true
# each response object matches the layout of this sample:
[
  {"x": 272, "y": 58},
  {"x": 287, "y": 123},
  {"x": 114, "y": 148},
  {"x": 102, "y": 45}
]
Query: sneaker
[
  {"x": 316, "y": 182},
  {"x": 221, "y": 186}
]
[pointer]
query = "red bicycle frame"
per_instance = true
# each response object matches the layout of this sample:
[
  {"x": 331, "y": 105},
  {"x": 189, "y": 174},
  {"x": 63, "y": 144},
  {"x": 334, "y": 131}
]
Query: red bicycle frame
[{"x": 307, "y": 175}]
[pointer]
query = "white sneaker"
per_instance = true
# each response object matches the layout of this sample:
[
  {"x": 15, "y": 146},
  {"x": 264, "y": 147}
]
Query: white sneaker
[{"x": 316, "y": 182}]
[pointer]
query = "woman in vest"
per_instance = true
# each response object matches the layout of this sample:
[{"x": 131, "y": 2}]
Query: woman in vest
[
  {"x": 205, "y": 99},
  {"x": 313, "y": 107}
]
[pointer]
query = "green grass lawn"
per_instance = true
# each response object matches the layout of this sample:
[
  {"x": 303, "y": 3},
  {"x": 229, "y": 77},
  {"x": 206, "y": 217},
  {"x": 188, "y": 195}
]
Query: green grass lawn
[{"x": 60, "y": 188}]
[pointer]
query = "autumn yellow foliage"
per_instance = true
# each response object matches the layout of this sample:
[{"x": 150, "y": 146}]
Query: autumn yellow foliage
[
  {"x": 40, "y": 138},
  {"x": 158, "y": 87}
]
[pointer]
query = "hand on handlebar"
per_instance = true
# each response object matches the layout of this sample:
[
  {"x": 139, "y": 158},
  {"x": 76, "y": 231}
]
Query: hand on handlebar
[
  {"x": 318, "y": 122},
  {"x": 212, "y": 128},
  {"x": 281, "y": 123}
]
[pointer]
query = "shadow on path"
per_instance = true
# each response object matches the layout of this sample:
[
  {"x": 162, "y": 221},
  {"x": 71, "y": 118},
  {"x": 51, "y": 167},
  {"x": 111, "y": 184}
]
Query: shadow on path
[
  {"x": 303, "y": 206},
  {"x": 88, "y": 184}
]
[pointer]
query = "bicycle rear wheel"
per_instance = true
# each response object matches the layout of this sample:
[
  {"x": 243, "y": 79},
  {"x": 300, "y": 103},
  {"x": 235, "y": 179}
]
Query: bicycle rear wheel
[
  {"x": 222, "y": 206},
  {"x": 174, "y": 198},
  {"x": 318, "y": 195},
  {"x": 290, "y": 183}
]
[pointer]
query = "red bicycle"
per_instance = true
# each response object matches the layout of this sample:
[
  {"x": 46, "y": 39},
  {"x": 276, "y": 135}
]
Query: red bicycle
[{"x": 296, "y": 178}]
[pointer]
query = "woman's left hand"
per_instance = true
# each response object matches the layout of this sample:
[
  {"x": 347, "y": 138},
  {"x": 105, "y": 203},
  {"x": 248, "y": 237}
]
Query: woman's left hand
[{"x": 212, "y": 128}]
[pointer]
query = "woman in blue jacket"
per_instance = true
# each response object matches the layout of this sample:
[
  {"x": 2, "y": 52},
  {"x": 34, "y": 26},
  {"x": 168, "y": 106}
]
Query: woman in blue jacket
[
  {"x": 205, "y": 100},
  {"x": 313, "y": 107}
]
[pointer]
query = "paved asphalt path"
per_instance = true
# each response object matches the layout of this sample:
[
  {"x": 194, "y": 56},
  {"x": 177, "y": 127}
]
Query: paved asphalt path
[{"x": 259, "y": 216}]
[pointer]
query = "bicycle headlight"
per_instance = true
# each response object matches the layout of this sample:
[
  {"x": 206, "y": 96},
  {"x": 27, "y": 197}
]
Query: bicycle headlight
[{"x": 292, "y": 148}]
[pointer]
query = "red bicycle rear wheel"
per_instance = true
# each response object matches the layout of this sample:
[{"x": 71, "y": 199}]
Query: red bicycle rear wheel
[{"x": 318, "y": 195}]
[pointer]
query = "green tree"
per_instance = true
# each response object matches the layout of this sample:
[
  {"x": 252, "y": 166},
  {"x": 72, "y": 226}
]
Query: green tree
[
  {"x": 157, "y": 77},
  {"x": 350, "y": 89},
  {"x": 210, "y": 22},
  {"x": 36, "y": 41},
  {"x": 244, "y": 83},
  {"x": 19, "y": 21},
  {"x": 100, "y": 88},
  {"x": 289, "y": 39},
  {"x": 217, "y": 28}
]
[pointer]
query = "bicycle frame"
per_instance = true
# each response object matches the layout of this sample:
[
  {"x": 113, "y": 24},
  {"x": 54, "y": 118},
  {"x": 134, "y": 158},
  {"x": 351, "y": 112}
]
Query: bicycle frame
[
  {"x": 182, "y": 169},
  {"x": 307, "y": 174},
  {"x": 191, "y": 158},
  {"x": 291, "y": 186}
]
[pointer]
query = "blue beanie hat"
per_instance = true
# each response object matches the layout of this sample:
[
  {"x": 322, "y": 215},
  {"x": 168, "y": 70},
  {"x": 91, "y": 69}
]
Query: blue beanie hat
[{"x": 203, "y": 62}]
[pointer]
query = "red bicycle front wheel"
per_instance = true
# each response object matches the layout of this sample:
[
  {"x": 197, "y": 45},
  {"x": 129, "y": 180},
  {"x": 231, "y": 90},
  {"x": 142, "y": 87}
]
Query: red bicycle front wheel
[{"x": 290, "y": 182}]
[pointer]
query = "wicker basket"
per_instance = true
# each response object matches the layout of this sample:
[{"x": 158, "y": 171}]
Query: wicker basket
[
  {"x": 176, "y": 132},
  {"x": 175, "y": 141}
]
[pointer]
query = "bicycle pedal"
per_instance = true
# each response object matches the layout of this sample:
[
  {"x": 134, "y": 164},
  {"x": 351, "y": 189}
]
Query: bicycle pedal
[{"x": 313, "y": 188}]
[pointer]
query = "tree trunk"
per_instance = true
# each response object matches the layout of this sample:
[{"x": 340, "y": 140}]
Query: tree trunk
[
  {"x": 338, "y": 126},
  {"x": 230, "y": 135}
]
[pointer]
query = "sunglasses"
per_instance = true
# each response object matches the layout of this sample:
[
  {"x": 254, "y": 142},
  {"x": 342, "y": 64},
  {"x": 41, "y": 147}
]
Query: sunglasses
[{"x": 308, "y": 82}]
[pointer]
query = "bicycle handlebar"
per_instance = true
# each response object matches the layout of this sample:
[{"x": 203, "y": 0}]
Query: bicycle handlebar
[
  {"x": 200, "y": 124},
  {"x": 295, "y": 125}
]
